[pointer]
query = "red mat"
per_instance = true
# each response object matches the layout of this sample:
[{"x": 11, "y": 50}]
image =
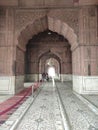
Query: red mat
[{"x": 9, "y": 106}]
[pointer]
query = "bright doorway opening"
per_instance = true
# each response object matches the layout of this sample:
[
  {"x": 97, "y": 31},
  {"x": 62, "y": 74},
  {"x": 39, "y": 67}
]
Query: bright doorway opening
[{"x": 51, "y": 72}]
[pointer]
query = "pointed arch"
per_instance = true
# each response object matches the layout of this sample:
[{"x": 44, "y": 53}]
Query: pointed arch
[
  {"x": 47, "y": 22},
  {"x": 49, "y": 55}
]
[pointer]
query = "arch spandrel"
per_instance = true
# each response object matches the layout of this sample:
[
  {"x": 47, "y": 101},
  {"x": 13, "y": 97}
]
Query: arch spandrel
[{"x": 52, "y": 24}]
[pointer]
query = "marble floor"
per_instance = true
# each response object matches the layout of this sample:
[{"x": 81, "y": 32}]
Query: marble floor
[
  {"x": 56, "y": 108},
  {"x": 44, "y": 113},
  {"x": 80, "y": 116}
]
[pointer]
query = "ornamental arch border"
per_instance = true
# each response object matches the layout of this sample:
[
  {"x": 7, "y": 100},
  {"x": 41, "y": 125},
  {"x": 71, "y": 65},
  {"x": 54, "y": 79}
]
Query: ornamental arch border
[{"x": 43, "y": 23}]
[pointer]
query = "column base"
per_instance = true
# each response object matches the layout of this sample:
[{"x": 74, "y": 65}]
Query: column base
[
  {"x": 7, "y": 85},
  {"x": 11, "y": 84},
  {"x": 85, "y": 84}
]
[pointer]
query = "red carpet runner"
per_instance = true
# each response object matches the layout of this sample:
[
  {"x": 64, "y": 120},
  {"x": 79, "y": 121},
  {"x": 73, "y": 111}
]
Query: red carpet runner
[{"x": 9, "y": 106}]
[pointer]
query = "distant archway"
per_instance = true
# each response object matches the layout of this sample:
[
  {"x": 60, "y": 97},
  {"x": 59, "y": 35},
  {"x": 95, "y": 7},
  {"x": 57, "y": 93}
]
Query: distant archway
[{"x": 50, "y": 60}]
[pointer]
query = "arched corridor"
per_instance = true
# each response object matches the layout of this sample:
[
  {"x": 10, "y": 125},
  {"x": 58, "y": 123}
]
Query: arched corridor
[
  {"x": 49, "y": 65},
  {"x": 43, "y": 48},
  {"x": 77, "y": 57}
]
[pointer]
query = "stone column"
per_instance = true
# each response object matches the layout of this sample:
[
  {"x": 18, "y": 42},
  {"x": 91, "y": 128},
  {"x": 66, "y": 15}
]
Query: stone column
[
  {"x": 85, "y": 56},
  {"x": 7, "y": 51}
]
